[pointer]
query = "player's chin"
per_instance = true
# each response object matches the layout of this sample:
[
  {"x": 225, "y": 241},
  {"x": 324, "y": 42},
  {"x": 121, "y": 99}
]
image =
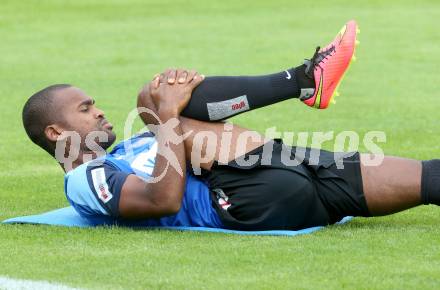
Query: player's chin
[
  {"x": 105, "y": 138},
  {"x": 110, "y": 140}
]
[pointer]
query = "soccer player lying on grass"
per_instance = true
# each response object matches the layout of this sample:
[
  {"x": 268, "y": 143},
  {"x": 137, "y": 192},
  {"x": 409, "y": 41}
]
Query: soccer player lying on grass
[{"x": 146, "y": 180}]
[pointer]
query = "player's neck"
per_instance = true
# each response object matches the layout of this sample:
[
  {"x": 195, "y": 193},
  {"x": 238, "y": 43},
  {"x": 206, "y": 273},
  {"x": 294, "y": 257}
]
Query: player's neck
[{"x": 83, "y": 157}]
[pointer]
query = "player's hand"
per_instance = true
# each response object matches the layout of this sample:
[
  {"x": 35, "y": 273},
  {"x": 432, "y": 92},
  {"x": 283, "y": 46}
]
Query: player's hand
[
  {"x": 171, "y": 90},
  {"x": 169, "y": 76}
]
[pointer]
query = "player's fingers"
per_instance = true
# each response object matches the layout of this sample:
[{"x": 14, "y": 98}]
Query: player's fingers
[
  {"x": 191, "y": 75},
  {"x": 153, "y": 87},
  {"x": 155, "y": 76},
  {"x": 162, "y": 78},
  {"x": 171, "y": 78},
  {"x": 156, "y": 82},
  {"x": 182, "y": 75},
  {"x": 198, "y": 78}
]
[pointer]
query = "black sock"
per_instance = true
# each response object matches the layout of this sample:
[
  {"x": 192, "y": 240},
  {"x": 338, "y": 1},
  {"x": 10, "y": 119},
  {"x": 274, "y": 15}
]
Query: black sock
[
  {"x": 218, "y": 98},
  {"x": 430, "y": 191}
]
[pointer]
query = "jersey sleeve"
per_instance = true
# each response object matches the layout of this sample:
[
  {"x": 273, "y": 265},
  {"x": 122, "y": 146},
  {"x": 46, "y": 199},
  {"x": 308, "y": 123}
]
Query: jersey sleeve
[{"x": 95, "y": 189}]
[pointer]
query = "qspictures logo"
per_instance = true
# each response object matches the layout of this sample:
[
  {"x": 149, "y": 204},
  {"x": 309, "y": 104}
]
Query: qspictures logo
[{"x": 207, "y": 145}]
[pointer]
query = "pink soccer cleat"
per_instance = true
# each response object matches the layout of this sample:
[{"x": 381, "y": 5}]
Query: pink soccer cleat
[{"x": 328, "y": 65}]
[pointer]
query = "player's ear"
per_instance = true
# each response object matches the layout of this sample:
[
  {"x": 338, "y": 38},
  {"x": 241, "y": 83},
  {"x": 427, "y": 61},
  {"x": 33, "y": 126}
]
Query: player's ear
[{"x": 52, "y": 132}]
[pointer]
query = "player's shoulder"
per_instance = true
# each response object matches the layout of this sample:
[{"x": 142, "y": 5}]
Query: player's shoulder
[
  {"x": 80, "y": 174},
  {"x": 94, "y": 187}
]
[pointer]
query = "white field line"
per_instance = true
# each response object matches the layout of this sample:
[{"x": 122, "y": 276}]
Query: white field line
[{"x": 7, "y": 283}]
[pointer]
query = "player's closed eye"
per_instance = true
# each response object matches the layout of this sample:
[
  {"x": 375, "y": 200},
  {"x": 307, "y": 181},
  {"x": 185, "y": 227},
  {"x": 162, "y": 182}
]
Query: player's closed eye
[{"x": 85, "y": 106}]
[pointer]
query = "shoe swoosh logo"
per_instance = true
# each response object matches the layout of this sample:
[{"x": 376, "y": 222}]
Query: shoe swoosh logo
[
  {"x": 342, "y": 33},
  {"x": 288, "y": 75},
  {"x": 318, "y": 94}
]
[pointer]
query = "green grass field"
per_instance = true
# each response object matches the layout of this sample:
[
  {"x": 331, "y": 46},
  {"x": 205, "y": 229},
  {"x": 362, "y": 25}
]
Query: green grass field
[{"x": 110, "y": 48}]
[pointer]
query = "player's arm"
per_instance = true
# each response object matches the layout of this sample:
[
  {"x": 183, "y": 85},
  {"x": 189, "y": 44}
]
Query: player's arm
[{"x": 140, "y": 199}]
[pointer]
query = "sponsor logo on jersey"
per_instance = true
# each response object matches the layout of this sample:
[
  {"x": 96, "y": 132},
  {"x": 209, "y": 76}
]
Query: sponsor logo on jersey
[
  {"x": 100, "y": 184},
  {"x": 103, "y": 192}
]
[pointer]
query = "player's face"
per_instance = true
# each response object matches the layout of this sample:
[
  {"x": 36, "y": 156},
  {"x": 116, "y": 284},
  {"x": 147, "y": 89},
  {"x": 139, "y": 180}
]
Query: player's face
[{"x": 80, "y": 114}]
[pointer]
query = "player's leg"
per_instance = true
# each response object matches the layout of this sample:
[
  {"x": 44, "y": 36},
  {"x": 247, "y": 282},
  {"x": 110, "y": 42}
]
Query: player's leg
[
  {"x": 207, "y": 142},
  {"x": 315, "y": 83},
  {"x": 221, "y": 97},
  {"x": 398, "y": 184},
  {"x": 394, "y": 185},
  {"x": 358, "y": 189}
]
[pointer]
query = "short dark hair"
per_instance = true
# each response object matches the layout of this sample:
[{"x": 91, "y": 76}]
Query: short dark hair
[{"x": 39, "y": 112}]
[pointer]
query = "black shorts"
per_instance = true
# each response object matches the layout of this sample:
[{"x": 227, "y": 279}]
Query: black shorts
[{"x": 272, "y": 195}]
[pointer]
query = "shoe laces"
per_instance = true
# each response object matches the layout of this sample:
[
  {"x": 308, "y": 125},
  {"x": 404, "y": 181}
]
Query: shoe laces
[{"x": 317, "y": 59}]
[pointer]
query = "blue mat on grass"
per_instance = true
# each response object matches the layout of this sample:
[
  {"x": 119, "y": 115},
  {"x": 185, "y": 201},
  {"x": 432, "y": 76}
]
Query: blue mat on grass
[{"x": 68, "y": 217}]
